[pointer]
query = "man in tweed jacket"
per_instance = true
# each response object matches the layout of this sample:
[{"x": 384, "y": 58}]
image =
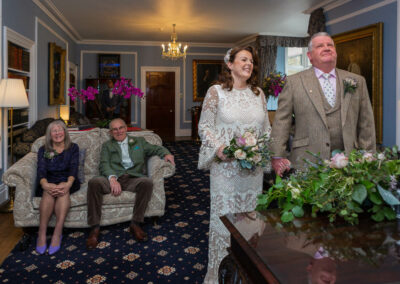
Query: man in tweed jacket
[{"x": 320, "y": 126}]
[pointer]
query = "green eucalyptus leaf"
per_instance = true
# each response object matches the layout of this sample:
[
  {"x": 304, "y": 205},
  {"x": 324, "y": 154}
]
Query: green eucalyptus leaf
[
  {"x": 287, "y": 217},
  {"x": 298, "y": 211},
  {"x": 359, "y": 193},
  {"x": 288, "y": 206},
  {"x": 262, "y": 199},
  {"x": 389, "y": 213},
  {"x": 387, "y": 196},
  {"x": 379, "y": 216},
  {"x": 368, "y": 184},
  {"x": 337, "y": 151},
  {"x": 375, "y": 198},
  {"x": 343, "y": 212}
]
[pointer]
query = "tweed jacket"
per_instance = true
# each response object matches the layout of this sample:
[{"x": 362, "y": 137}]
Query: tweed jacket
[
  {"x": 302, "y": 96},
  {"x": 139, "y": 149}
]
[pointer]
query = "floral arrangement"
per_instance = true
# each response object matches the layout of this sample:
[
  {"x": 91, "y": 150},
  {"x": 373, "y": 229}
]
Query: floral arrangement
[
  {"x": 273, "y": 84},
  {"x": 85, "y": 95},
  {"x": 50, "y": 154},
  {"x": 350, "y": 85},
  {"x": 344, "y": 186},
  {"x": 249, "y": 150},
  {"x": 122, "y": 87}
]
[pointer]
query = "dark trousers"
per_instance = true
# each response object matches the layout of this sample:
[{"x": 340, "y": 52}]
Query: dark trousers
[{"x": 98, "y": 186}]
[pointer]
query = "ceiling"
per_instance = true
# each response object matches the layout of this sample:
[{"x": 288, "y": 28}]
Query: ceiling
[{"x": 197, "y": 21}]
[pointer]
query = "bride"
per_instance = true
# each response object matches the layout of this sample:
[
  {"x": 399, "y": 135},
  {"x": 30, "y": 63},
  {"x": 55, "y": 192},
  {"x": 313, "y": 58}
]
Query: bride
[{"x": 230, "y": 107}]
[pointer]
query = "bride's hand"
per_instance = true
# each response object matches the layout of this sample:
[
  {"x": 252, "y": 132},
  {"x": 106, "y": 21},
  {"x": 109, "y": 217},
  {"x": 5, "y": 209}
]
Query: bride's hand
[{"x": 220, "y": 153}]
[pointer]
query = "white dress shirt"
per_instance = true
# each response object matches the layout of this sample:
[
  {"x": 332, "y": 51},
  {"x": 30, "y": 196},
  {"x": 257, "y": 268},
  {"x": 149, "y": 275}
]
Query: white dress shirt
[{"x": 126, "y": 159}]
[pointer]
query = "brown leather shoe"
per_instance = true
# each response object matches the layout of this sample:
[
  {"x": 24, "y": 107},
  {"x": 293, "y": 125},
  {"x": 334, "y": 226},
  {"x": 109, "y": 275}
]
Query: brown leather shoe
[
  {"x": 92, "y": 240},
  {"x": 138, "y": 233}
]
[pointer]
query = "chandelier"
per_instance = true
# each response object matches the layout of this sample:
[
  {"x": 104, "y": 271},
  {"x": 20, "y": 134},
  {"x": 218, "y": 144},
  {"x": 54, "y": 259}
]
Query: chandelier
[{"x": 174, "y": 50}]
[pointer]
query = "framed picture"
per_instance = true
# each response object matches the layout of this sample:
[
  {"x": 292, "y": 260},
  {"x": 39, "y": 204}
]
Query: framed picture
[
  {"x": 109, "y": 66},
  {"x": 205, "y": 72},
  {"x": 360, "y": 51},
  {"x": 56, "y": 74}
]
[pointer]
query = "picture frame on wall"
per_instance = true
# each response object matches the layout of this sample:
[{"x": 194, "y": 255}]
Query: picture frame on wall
[
  {"x": 205, "y": 72},
  {"x": 57, "y": 63},
  {"x": 360, "y": 51},
  {"x": 109, "y": 66}
]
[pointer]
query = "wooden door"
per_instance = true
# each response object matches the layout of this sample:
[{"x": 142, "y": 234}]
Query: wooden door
[{"x": 160, "y": 103}]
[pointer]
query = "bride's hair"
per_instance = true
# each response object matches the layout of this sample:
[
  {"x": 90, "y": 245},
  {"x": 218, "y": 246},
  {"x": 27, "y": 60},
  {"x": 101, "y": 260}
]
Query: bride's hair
[{"x": 225, "y": 78}]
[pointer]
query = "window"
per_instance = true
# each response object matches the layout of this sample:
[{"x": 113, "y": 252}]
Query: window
[{"x": 296, "y": 60}]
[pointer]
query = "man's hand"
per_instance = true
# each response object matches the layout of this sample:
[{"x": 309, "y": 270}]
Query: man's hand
[
  {"x": 169, "y": 158},
  {"x": 280, "y": 165},
  {"x": 115, "y": 186}
]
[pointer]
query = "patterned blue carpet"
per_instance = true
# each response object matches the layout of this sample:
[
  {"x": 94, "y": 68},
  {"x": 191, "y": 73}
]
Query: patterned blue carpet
[{"x": 175, "y": 253}]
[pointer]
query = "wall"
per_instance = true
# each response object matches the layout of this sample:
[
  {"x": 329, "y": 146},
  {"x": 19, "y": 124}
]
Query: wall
[
  {"x": 359, "y": 13},
  {"x": 134, "y": 57}
]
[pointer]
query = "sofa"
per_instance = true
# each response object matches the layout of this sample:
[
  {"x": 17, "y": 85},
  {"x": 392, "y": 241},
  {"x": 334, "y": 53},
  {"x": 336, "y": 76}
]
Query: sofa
[
  {"x": 22, "y": 176},
  {"x": 23, "y": 144}
]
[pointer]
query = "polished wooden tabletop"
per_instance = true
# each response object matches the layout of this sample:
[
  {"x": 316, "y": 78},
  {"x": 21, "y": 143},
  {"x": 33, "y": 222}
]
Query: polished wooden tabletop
[{"x": 312, "y": 250}]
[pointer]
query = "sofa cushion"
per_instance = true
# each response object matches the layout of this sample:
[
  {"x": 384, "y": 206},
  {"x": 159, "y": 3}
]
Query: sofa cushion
[{"x": 81, "y": 167}]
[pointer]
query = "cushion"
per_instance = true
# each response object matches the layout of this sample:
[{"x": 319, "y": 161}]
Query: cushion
[
  {"x": 30, "y": 135},
  {"x": 81, "y": 167}
]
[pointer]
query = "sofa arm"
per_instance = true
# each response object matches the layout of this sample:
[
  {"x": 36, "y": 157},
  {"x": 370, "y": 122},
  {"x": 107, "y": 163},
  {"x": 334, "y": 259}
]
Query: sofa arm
[
  {"x": 157, "y": 166},
  {"x": 22, "y": 176}
]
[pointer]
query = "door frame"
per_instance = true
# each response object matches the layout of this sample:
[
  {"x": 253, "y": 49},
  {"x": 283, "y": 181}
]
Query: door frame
[{"x": 177, "y": 71}]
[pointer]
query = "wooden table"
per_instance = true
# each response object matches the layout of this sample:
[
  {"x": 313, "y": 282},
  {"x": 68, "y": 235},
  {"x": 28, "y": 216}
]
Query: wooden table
[{"x": 310, "y": 250}]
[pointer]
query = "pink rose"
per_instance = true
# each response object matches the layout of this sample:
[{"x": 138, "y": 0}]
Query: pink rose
[
  {"x": 339, "y": 161},
  {"x": 368, "y": 157},
  {"x": 240, "y": 154},
  {"x": 241, "y": 141}
]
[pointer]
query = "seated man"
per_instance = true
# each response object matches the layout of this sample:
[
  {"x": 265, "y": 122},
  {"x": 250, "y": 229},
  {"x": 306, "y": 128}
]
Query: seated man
[{"x": 121, "y": 167}]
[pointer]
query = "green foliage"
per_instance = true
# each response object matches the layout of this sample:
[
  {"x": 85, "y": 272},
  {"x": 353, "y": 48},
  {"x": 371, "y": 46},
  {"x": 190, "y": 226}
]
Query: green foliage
[{"x": 344, "y": 186}]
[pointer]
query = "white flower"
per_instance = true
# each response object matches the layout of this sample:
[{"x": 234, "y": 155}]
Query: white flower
[
  {"x": 381, "y": 156},
  {"x": 294, "y": 190},
  {"x": 51, "y": 155},
  {"x": 240, "y": 154},
  {"x": 257, "y": 158},
  {"x": 339, "y": 161},
  {"x": 255, "y": 148},
  {"x": 227, "y": 56},
  {"x": 248, "y": 134},
  {"x": 251, "y": 141},
  {"x": 368, "y": 157}
]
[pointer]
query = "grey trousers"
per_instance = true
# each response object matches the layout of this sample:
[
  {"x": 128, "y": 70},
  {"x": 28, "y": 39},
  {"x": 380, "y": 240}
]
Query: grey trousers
[{"x": 98, "y": 186}]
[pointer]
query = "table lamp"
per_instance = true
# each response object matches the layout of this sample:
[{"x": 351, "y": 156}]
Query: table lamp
[
  {"x": 12, "y": 94},
  {"x": 64, "y": 113}
]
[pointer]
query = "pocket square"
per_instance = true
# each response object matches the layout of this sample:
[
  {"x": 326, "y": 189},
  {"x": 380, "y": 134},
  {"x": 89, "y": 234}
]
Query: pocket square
[{"x": 136, "y": 147}]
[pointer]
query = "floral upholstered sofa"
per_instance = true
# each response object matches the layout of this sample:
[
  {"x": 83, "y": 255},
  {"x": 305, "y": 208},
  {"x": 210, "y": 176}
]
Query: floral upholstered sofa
[{"x": 22, "y": 175}]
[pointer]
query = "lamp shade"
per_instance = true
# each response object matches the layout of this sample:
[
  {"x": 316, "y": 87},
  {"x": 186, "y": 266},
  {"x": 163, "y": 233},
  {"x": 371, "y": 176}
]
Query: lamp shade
[
  {"x": 12, "y": 93},
  {"x": 64, "y": 112}
]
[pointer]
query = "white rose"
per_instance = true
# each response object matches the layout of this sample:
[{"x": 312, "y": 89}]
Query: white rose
[
  {"x": 255, "y": 148},
  {"x": 368, "y": 157},
  {"x": 339, "y": 161},
  {"x": 248, "y": 134},
  {"x": 257, "y": 158},
  {"x": 240, "y": 154},
  {"x": 251, "y": 141},
  {"x": 381, "y": 156}
]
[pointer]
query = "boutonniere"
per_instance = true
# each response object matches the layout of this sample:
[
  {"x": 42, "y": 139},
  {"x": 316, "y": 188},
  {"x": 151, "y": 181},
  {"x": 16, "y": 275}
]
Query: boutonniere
[
  {"x": 50, "y": 154},
  {"x": 131, "y": 141},
  {"x": 350, "y": 85}
]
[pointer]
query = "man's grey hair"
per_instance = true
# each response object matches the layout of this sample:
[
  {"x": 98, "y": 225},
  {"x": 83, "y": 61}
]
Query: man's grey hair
[
  {"x": 314, "y": 36},
  {"x": 114, "y": 120}
]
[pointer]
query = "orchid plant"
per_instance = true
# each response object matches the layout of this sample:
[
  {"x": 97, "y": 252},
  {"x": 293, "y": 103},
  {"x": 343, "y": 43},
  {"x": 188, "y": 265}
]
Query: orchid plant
[
  {"x": 273, "y": 84},
  {"x": 344, "y": 186}
]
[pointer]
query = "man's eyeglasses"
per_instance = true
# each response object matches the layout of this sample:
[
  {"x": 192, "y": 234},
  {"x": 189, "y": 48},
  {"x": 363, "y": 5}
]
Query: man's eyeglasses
[{"x": 119, "y": 128}]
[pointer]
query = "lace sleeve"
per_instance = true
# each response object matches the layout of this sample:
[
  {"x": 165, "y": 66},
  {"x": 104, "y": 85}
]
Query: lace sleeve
[
  {"x": 267, "y": 127},
  {"x": 207, "y": 129}
]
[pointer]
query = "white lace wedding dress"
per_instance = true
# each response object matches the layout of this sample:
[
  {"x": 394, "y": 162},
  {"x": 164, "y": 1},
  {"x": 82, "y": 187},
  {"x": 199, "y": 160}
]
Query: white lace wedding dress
[{"x": 224, "y": 115}]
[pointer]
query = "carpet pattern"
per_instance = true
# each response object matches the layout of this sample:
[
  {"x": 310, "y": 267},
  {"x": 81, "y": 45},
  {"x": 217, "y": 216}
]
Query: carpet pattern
[{"x": 175, "y": 253}]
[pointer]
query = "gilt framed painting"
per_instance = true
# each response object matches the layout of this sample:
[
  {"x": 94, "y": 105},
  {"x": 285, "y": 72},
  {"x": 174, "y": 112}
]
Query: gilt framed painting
[
  {"x": 56, "y": 74},
  {"x": 205, "y": 72},
  {"x": 360, "y": 51}
]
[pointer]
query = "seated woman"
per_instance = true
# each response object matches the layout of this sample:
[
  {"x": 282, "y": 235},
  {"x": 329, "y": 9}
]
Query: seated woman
[{"x": 57, "y": 175}]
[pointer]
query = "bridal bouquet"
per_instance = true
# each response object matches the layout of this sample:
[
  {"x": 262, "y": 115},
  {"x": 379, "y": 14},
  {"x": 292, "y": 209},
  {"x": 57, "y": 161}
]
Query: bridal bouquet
[{"x": 249, "y": 150}]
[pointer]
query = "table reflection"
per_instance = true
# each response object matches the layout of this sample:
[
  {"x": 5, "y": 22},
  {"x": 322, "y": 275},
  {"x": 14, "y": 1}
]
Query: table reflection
[{"x": 319, "y": 252}]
